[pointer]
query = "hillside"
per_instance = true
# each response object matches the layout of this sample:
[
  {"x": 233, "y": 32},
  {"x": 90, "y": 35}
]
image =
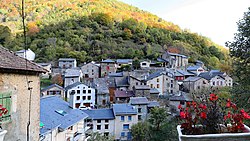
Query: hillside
[{"x": 97, "y": 29}]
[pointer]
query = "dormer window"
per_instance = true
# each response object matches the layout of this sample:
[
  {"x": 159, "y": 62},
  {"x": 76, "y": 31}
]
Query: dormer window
[{"x": 61, "y": 112}]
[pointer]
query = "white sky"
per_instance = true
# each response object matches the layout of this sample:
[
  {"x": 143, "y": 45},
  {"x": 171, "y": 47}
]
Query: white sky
[{"x": 215, "y": 19}]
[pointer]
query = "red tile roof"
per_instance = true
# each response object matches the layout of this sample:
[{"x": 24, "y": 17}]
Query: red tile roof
[{"x": 11, "y": 62}]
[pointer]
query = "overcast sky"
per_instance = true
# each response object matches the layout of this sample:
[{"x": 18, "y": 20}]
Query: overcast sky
[{"x": 215, "y": 19}]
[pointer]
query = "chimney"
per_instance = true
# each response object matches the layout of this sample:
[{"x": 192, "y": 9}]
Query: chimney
[{"x": 72, "y": 99}]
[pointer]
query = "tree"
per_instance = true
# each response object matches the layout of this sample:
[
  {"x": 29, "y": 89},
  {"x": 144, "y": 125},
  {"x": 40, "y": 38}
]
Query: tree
[
  {"x": 157, "y": 117},
  {"x": 98, "y": 137},
  {"x": 240, "y": 50},
  {"x": 140, "y": 131},
  {"x": 57, "y": 79},
  {"x": 5, "y": 34}
]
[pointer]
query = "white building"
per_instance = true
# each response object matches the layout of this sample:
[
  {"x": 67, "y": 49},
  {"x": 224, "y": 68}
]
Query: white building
[
  {"x": 59, "y": 122},
  {"x": 145, "y": 64},
  {"x": 30, "y": 55},
  {"x": 80, "y": 95},
  {"x": 102, "y": 121},
  {"x": 125, "y": 117}
]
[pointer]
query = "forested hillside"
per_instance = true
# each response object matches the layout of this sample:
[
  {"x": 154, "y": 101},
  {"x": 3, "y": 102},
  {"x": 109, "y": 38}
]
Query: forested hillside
[{"x": 99, "y": 29}]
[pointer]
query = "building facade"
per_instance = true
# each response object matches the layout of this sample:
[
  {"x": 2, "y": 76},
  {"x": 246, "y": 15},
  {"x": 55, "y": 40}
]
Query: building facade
[{"x": 91, "y": 70}]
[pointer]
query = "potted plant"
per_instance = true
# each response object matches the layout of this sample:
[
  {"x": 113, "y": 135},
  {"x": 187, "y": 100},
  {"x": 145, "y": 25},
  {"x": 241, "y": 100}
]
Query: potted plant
[
  {"x": 210, "y": 118},
  {"x": 3, "y": 111}
]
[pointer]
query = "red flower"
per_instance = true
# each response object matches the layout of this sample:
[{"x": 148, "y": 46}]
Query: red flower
[
  {"x": 213, "y": 97},
  {"x": 203, "y": 115},
  {"x": 188, "y": 104},
  {"x": 245, "y": 114},
  {"x": 179, "y": 106},
  {"x": 183, "y": 115},
  {"x": 194, "y": 104}
]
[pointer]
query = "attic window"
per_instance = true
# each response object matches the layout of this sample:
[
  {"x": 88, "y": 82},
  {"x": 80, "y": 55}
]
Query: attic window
[{"x": 61, "y": 112}]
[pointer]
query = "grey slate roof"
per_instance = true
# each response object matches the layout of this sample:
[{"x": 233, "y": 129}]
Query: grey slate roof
[
  {"x": 108, "y": 61},
  {"x": 101, "y": 85},
  {"x": 124, "y": 61},
  {"x": 67, "y": 59},
  {"x": 211, "y": 74},
  {"x": 11, "y": 62},
  {"x": 154, "y": 91},
  {"x": 193, "y": 68},
  {"x": 156, "y": 74},
  {"x": 51, "y": 119},
  {"x": 51, "y": 86},
  {"x": 73, "y": 85},
  {"x": 72, "y": 72},
  {"x": 175, "y": 73},
  {"x": 124, "y": 109},
  {"x": 138, "y": 100},
  {"x": 123, "y": 94},
  {"x": 175, "y": 54},
  {"x": 192, "y": 79},
  {"x": 182, "y": 97},
  {"x": 185, "y": 73},
  {"x": 153, "y": 104},
  {"x": 96, "y": 114},
  {"x": 121, "y": 81},
  {"x": 116, "y": 74}
]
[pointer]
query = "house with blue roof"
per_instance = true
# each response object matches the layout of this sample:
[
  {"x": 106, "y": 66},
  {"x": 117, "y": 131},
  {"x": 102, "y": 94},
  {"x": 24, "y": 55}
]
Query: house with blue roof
[
  {"x": 59, "y": 122},
  {"x": 195, "y": 69},
  {"x": 102, "y": 121},
  {"x": 125, "y": 117},
  {"x": 121, "y": 62}
]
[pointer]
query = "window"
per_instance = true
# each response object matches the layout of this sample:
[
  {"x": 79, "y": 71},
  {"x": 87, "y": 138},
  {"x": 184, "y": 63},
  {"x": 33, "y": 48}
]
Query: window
[
  {"x": 136, "y": 83},
  {"x": 129, "y": 136},
  {"x": 84, "y": 97},
  {"x": 106, "y": 120},
  {"x": 171, "y": 86},
  {"x": 122, "y": 134},
  {"x": 106, "y": 126},
  {"x": 77, "y": 97},
  {"x": 70, "y": 128},
  {"x": 151, "y": 85},
  {"x": 172, "y": 81},
  {"x": 221, "y": 83},
  {"x": 157, "y": 79},
  {"x": 198, "y": 87},
  {"x": 89, "y": 97},
  {"x": 61, "y": 112},
  {"x": 99, "y": 121},
  {"x": 84, "y": 91},
  {"x": 78, "y": 91},
  {"x": 98, "y": 127},
  {"x": 139, "y": 117},
  {"x": 106, "y": 134},
  {"x": 89, "y": 91},
  {"x": 158, "y": 85},
  {"x": 122, "y": 118},
  {"x": 5, "y": 100},
  {"x": 182, "y": 102},
  {"x": 125, "y": 126},
  {"x": 129, "y": 118},
  {"x": 213, "y": 83},
  {"x": 139, "y": 110}
]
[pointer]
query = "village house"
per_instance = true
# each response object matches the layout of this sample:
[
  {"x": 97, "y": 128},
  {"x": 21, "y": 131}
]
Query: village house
[
  {"x": 71, "y": 76},
  {"x": 125, "y": 117},
  {"x": 102, "y": 91},
  {"x": 177, "y": 61},
  {"x": 195, "y": 83},
  {"x": 19, "y": 86},
  {"x": 80, "y": 95},
  {"x": 28, "y": 54},
  {"x": 217, "y": 78},
  {"x": 102, "y": 121},
  {"x": 122, "y": 62},
  {"x": 67, "y": 63},
  {"x": 53, "y": 89},
  {"x": 140, "y": 104},
  {"x": 195, "y": 70},
  {"x": 48, "y": 67},
  {"x": 123, "y": 96},
  {"x": 108, "y": 66},
  {"x": 60, "y": 122},
  {"x": 91, "y": 70},
  {"x": 145, "y": 64}
]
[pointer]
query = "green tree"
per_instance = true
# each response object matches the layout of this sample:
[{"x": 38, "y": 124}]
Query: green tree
[
  {"x": 98, "y": 137},
  {"x": 140, "y": 131},
  {"x": 5, "y": 34},
  {"x": 157, "y": 117}
]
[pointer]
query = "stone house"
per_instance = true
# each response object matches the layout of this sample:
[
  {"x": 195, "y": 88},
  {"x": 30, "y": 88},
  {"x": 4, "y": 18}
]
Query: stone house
[
  {"x": 195, "y": 83},
  {"x": 108, "y": 66},
  {"x": 102, "y": 91},
  {"x": 195, "y": 70},
  {"x": 102, "y": 121},
  {"x": 72, "y": 76},
  {"x": 91, "y": 70},
  {"x": 67, "y": 63},
  {"x": 48, "y": 67},
  {"x": 80, "y": 95},
  {"x": 28, "y": 54},
  {"x": 60, "y": 122},
  {"x": 123, "y": 96},
  {"x": 177, "y": 61},
  {"x": 140, "y": 103},
  {"x": 53, "y": 89},
  {"x": 125, "y": 117},
  {"x": 19, "y": 86}
]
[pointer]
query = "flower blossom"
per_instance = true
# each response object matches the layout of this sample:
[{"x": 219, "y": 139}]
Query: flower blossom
[{"x": 213, "y": 97}]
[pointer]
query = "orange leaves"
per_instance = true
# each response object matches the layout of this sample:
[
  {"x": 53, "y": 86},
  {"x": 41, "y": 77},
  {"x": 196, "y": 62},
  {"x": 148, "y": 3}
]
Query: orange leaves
[{"x": 32, "y": 28}]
